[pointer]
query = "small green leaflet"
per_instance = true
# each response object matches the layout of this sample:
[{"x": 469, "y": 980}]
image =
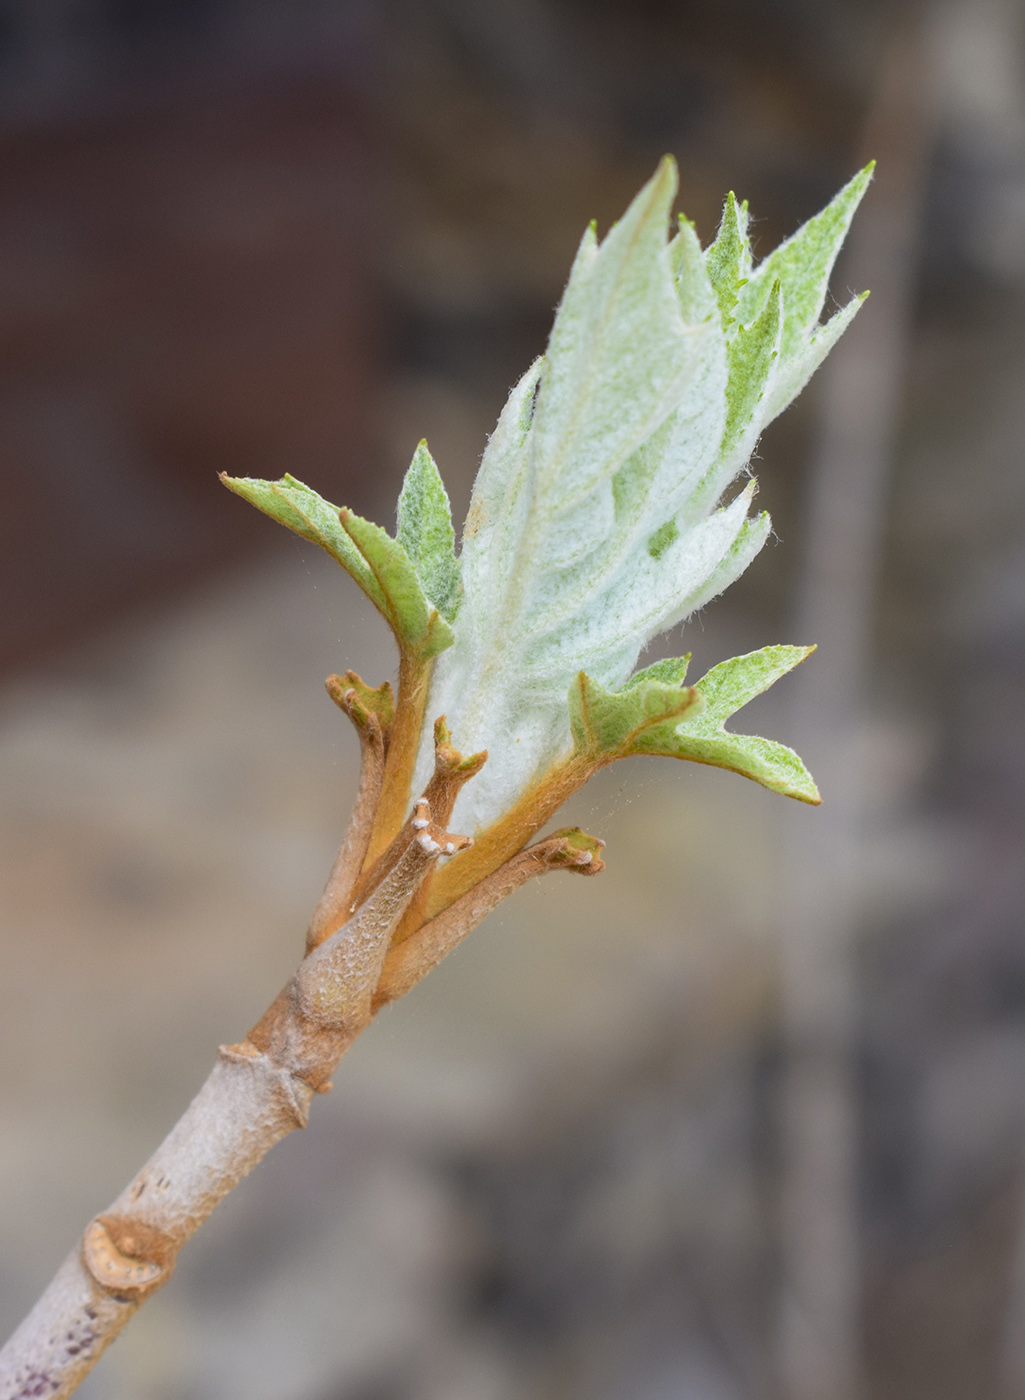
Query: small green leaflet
[
  {"x": 695, "y": 290},
  {"x": 609, "y": 724},
  {"x": 655, "y": 714},
  {"x": 802, "y": 265},
  {"x": 670, "y": 671},
  {"x": 728, "y": 259},
  {"x": 425, "y": 532},
  {"x": 379, "y": 564},
  {"x": 750, "y": 356},
  {"x": 702, "y": 736}
]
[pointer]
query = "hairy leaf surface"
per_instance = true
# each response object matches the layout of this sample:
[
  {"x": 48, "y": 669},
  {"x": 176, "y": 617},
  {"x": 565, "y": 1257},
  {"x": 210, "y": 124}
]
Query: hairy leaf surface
[
  {"x": 379, "y": 564},
  {"x": 702, "y": 737},
  {"x": 425, "y": 532}
]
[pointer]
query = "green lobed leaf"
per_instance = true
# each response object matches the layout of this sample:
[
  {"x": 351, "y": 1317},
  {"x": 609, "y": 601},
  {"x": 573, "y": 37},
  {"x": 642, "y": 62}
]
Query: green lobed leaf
[
  {"x": 425, "y": 532},
  {"x": 728, "y": 259},
  {"x": 751, "y": 357},
  {"x": 749, "y": 539},
  {"x": 672, "y": 670},
  {"x": 702, "y": 738},
  {"x": 695, "y": 290},
  {"x": 295, "y": 505},
  {"x": 796, "y": 369},
  {"x": 802, "y": 265},
  {"x": 598, "y": 516},
  {"x": 413, "y": 620},
  {"x": 378, "y": 563},
  {"x": 608, "y": 724},
  {"x": 619, "y": 356}
]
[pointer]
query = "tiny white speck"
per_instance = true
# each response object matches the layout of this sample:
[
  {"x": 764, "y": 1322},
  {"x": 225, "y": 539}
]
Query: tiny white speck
[{"x": 420, "y": 823}]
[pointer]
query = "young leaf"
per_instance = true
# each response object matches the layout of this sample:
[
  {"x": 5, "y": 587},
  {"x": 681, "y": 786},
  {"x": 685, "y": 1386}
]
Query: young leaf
[
  {"x": 414, "y": 621},
  {"x": 701, "y": 737},
  {"x": 670, "y": 671},
  {"x": 802, "y": 265},
  {"x": 751, "y": 358},
  {"x": 544, "y": 541},
  {"x": 608, "y": 724},
  {"x": 695, "y": 290},
  {"x": 598, "y": 517},
  {"x": 425, "y": 532},
  {"x": 295, "y": 505},
  {"x": 378, "y": 563},
  {"x": 619, "y": 355},
  {"x": 797, "y": 368},
  {"x": 728, "y": 259}
]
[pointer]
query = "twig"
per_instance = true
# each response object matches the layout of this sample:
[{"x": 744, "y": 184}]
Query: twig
[
  {"x": 335, "y": 903},
  {"x": 407, "y": 963},
  {"x": 258, "y": 1091},
  {"x": 261, "y": 1089}
]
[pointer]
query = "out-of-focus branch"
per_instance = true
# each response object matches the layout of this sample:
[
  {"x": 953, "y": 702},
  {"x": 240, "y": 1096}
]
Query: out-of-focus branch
[{"x": 410, "y": 961}]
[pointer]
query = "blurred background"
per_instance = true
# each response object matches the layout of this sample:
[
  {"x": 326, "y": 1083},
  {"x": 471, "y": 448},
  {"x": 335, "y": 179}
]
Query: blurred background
[{"x": 745, "y": 1118}]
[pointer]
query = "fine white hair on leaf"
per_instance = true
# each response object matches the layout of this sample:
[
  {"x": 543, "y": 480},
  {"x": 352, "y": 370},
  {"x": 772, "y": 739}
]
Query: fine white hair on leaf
[{"x": 597, "y": 518}]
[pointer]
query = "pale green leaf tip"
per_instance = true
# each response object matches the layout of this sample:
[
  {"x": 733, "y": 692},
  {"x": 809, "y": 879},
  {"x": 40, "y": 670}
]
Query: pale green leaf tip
[
  {"x": 235, "y": 483},
  {"x": 660, "y": 190},
  {"x": 856, "y": 185},
  {"x": 805, "y": 791}
]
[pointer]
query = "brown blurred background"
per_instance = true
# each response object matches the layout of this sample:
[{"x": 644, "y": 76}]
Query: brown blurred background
[{"x": 743, "y": 1120}]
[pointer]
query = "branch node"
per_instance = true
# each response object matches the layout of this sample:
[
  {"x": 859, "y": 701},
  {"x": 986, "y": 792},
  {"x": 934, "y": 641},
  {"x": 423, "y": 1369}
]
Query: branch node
[
  {"x": 451, "y": 771},
  {"x": 292, "y": 1090},
  {"x": 372, "y": 712},
  {"x": 359, "y": 701},
  {"x": 408, "y": 960},
  {"x": 572, "y": 850},
  {"x": 127, "y": 1257},
  {"x": 430, "y": 837}
]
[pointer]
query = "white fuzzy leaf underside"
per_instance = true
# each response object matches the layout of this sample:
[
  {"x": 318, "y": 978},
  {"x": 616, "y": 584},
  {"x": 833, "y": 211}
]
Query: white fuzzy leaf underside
[{"x": 597, "y": 519}]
